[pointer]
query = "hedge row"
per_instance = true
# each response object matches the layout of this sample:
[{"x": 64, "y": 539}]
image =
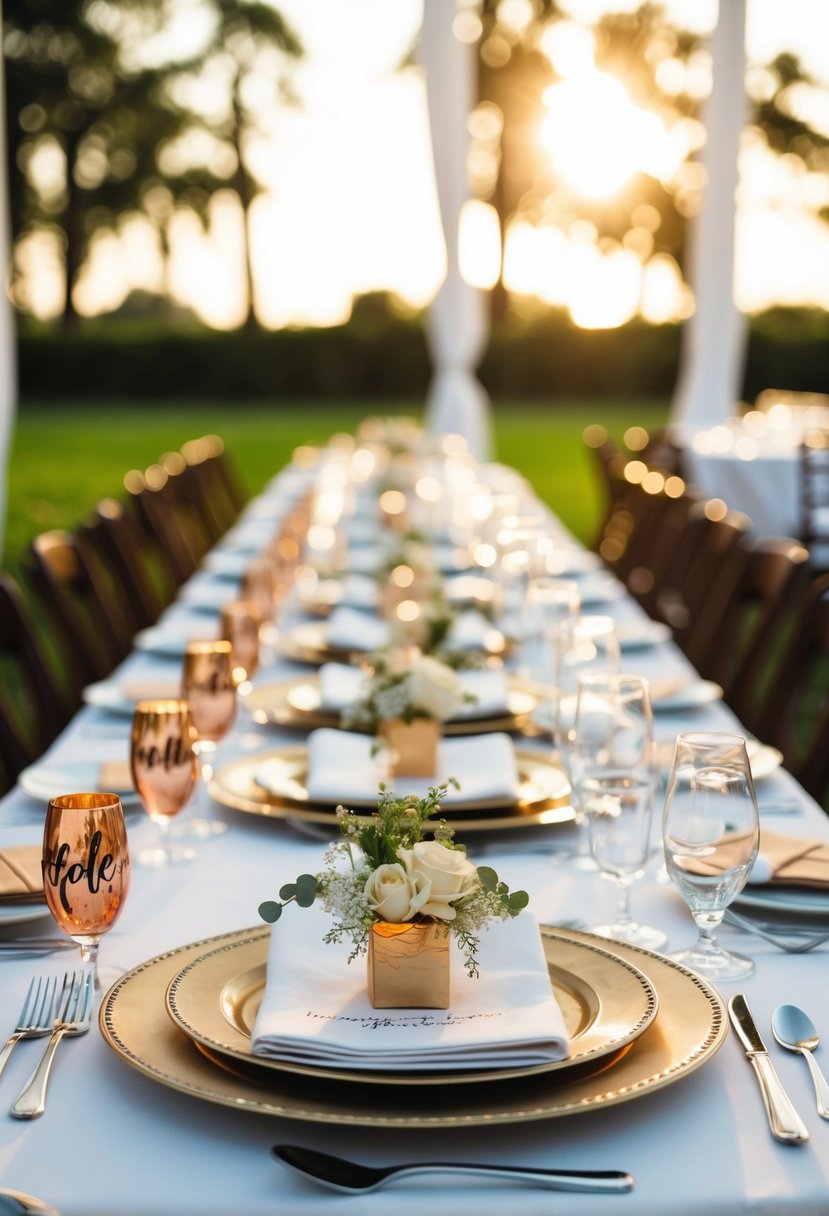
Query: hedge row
[{"x": 385, "y": 357}]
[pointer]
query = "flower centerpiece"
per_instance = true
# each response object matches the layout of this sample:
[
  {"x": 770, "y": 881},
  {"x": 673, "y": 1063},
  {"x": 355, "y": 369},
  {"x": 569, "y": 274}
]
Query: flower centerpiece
[
  {"x": 407, "y": 697},
  {"x": 399, "y": 897}
]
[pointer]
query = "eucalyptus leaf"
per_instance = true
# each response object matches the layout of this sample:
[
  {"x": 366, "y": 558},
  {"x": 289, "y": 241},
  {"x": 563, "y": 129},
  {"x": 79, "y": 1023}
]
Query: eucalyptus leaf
[
  {"x": 517, "y": 901},
  {"x": 270, "y": 911},
  {"x": 288, "y": 891},
  {"x": 487, "y": 877}
]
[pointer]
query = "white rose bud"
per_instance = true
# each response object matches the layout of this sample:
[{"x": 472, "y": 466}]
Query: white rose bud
[
  {"x": 434, "y": 688},
  {"x": 394, "y": 895},
  {"x": 449, "y": 873}
]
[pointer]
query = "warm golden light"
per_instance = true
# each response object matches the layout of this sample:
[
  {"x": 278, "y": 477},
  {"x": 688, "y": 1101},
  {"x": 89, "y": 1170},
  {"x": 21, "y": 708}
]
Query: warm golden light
[
  {"x": 479, "y": 251},
  {"x": 393, "y": 502}
]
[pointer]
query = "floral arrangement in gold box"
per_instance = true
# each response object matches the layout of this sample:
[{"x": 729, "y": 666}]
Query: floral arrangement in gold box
[{"x": 383, "y": 883}]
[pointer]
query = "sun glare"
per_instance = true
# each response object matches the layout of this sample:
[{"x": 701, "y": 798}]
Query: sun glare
[{"x": 598, "y": 138}]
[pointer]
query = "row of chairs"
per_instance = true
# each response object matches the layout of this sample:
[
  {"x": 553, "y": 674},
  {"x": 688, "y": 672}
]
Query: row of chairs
[
  {"x": 87, "y": 592},
  {"x": 747, "y": 612}
]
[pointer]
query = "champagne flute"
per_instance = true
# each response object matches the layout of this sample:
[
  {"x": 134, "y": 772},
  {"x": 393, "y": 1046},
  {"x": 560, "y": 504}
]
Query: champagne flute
[
  {"x": 164, "y": 771},
  {"x": 711, "y": 834},
  {"x": 208, "y": 684},
  {"x": 86, "y": 868}
]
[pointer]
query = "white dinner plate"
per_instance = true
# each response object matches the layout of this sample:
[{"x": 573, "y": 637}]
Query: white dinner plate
[
  {"x": 599, "y": 588},
  {"x": 16, "y": 914},
  {"x": 573, "y": 563},
  {"x": 639, "y": 635},
  {"x": 226, "y": 564},
  {"x": 790, "y": 900},
  {"x": 108, "y": 695},
  {"x": 45, "y": 781},
  {"x": 171, "y": 643},
  {"x": 762, "y": 758},
  {"x": 693, "y": 695},
  {"x": 208, "y": 595}
]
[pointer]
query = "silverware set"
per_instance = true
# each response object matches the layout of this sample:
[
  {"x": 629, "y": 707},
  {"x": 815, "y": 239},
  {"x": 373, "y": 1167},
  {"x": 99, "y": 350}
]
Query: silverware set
[
  {"x": 55, "y": 1006},
  {"x": 794, "y": 939},
  {"x": 794, "y": 1030}
]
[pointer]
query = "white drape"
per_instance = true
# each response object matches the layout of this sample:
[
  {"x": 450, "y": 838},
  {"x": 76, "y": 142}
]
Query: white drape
[
  {"x": 457, "y": 324},
  {"x": 8, "y": 359},
  {"x": 713, "y": 348}
]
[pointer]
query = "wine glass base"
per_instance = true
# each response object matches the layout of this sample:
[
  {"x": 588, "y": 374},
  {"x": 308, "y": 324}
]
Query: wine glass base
[
  {"x": 717, "y": 964},
  {"x": 166, "y": 855},
  {"x": 199, "y": 828},
  {"x": 633, "y": 934}
]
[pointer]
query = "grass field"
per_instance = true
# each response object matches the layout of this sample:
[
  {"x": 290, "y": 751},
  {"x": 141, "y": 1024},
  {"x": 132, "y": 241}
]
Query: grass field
[{"x": 66, "y": 456}]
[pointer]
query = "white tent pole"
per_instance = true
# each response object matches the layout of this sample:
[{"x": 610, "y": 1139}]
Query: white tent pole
[
  {"x": 8, "y": 354},
  {"x": 713, "y": 345},
  {"x": 457, "y": 324}
]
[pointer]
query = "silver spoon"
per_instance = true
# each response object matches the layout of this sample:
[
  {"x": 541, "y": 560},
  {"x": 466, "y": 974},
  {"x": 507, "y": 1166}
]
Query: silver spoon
[
  {"x": 350, "y": 1177},
  {"x": 796, "y": 1031}
]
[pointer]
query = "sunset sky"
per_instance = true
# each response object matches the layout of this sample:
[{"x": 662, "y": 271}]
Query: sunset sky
[{"x": 350, "y": 204}]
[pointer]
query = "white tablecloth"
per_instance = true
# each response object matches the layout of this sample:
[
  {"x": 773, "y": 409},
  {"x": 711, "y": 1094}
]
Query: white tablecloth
[{"x": 113, "y": 1141}]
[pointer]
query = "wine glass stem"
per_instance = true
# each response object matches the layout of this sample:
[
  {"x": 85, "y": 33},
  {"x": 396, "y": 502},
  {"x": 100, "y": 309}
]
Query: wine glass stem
[
  {"x": 623, "y": 905},
  {"x": 89, "y": 958},
  {"x": 707, "y": 924}
]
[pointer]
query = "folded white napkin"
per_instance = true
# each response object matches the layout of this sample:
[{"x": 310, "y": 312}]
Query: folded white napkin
[
  {"x": 342, "y": 685},
  {"x": 341, "y": 768},
  {"x": 359, "y": 591},
  {"x": 315, "y": 1007},
  {"x": 349, "y": 629},
  {"x": 469, "y": 631}
]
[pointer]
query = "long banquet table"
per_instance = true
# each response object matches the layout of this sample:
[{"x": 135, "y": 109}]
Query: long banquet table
[{"x": 114, "y": 1141}]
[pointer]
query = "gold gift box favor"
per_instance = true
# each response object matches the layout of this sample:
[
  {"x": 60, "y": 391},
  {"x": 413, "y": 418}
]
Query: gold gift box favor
[
  {"x": 413, "y": 746},
  {"x": 408, "y": 966}
]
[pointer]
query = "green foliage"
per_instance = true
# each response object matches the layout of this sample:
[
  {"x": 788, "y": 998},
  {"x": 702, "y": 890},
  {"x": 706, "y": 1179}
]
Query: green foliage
[{"x": 303, "y": 892}]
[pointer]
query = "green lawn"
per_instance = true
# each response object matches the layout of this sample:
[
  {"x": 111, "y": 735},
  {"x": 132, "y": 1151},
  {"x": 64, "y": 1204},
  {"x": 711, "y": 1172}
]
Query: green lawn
[{"x": 66, "y": 456}]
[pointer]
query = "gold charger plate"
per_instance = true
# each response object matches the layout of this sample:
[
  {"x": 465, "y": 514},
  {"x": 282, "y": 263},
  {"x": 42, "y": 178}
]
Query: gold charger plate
[
  {"x": 543, "y": 798},
  {"x": 308, "y": 643},
  {"x": 298, "y": 703},
  {"x": 606, "y": 1003},
  {"x": 690, "y": 1027}
]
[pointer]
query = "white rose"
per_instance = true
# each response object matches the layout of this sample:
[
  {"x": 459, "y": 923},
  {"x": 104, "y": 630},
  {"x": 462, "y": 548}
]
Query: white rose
[
  {"x": 395, "y": 895},
  {"x": 434, "y": 688},
  {"x": 449, "y": 873}
]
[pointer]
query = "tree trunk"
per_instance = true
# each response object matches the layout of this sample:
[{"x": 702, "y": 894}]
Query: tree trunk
[
  {"x": 246, "y": 191},
  {"x": 73, "y": 232}
]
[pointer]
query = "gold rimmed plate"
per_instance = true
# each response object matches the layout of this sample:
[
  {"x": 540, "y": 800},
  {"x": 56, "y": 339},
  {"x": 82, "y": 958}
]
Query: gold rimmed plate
[
  {"x": 543, "y": 796},
  {"x": 309, "y": 643},
  {"x": 689, "y": 1029},
  {"x": 298, "y": 703},
  {"x": 606, "y": 1003}
]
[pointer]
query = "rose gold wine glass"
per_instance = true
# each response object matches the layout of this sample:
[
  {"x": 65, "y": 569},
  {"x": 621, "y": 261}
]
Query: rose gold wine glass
[
  {"x": 86, "y": 868},
  {"x": 208, "y": 684},
  {"x": 164, "y": 771},
  {"x": 241, "y": 623}
]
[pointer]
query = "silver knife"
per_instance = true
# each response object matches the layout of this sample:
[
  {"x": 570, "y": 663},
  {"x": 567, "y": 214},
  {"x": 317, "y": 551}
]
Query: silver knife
[{"x": 784, "y": 1121}]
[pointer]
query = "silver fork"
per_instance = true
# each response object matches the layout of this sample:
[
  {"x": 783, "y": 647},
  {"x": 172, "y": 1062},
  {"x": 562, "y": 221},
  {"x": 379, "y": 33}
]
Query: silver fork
[
  {"x": 72, "y": 1019},
  {"x": 808, "y": 940},
  {"x": 36, "y": 1016}
]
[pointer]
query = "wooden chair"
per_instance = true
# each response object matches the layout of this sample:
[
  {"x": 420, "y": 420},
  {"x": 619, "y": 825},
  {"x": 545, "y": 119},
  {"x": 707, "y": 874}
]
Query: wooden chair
[
  {"x": 814, "y": 496},
  {"x": 134, "y": 563},
  {"x": 219, "y": 488},
  {"x": 34, "y": 705},
  {"x": 703, "y": 549},
  {"x": 82, "y": 601},
  {"x": 795, "y": 712},
  {"x": 734, "y": 634},
  {"x": 156, "y": 505}
]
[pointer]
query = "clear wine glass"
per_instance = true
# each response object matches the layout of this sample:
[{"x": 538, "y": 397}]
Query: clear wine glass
[
  {"x": 710, "y": 833},
  {"x": 586, "y": 644},
  {"x": 164, "y": 771},
  {"x": 612, "y": 768},
  {"x": 208, "y": 684},
  {"x": 86, "y": 869},
  {"x": 549, "y": 602}
]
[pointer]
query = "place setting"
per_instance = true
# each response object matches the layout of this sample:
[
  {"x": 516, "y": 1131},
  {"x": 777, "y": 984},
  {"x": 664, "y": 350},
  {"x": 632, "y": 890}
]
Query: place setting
[{"x": 582, "y": 1023}]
